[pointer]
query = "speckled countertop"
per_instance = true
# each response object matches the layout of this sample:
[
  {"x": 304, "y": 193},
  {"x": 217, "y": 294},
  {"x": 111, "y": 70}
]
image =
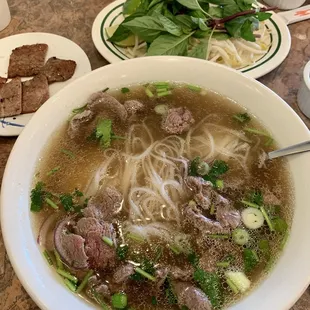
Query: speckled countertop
[{"x": 73, "y": 19}]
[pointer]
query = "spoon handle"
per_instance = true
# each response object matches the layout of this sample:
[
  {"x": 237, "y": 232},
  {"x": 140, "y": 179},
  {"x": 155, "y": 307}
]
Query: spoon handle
[{"x": 294, "y": 149}]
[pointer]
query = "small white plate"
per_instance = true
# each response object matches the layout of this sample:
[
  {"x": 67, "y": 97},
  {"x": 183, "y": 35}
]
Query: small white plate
[
  {"x": 279, "y": 36},
  {"x": 59, "y": 47}
]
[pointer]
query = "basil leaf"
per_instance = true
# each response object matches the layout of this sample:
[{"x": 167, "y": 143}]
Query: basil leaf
[
  {"x": 148, "y": 28},
  {"x": 130, "y": 6},
  {"x": 170, "y": 26},
  {"x": 216, "y": 11},
  {"x": 156, "y": 9},
  {"x": 154, "y": 2},
  {"x": 191, "y": 4},
  {"x": 121, "y": 32},
  {"x": 230, "y": 9},
  {"x": 199, "y": 51},
  {"x": 247, "y": 32},
  {"x": 185, "y": 22},
  {"x": 176, "y": 7},
  {"x": 167, "y": 13},
  {"x": 197, "y": 14},
  {"x": 201, "y": 34},
  {"x": 261, "y": 16},
  {"x": 168, "y": 44},
  {"x": 220, "y": 36},
  {"x": 245, "y": 4}
]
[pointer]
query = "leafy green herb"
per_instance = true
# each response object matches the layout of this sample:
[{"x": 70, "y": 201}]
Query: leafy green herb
[
  {"x": 199, "y": 51},
  {"x": 122, "y": 251},
  {"x": 264, "y": 248},
  {"x": 242, "y": 117},
  {"x": 48, "y": 257},
  {"x": 119, "y": 300},
  {"x": 279, "y": 225},
  {"x": 159, "y": 253},
  {"x": 168, "y": 44},
  {"x": 103, "y": 132},
  {"x": 169, "y": 293},
  {"x": 210, "y": 285},
  {"x": 78, "y": 193},
  {"x": 37, "y": 197},
  {"x": 250, "y": 259},
  {"x": 153, "y": 301},
  {"x": 130, "y": 6},
  {"x": 169, "y": 25},
  {"x": 193, "y": 259},
  {"x": 255, "y": 197},
  {"x": 125, "y": 90},
  {"x": 67, "y": 202}
]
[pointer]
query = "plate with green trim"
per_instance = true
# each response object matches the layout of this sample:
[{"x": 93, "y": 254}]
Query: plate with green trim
[{"x": 279, "y": 41}]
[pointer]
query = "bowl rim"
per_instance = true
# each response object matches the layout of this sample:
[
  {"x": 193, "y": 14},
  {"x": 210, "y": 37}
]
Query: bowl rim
[{"x": 26, "y": 134}]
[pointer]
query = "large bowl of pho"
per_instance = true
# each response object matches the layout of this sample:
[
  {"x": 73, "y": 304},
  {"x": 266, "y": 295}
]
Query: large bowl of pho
[{"x": 146, "y": 185}]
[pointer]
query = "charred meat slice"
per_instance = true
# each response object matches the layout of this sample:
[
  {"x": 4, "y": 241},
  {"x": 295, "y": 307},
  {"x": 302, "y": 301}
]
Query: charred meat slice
[
  {"x": 88, "y": 224},
  {"x": 35, "y": 93},
  {"x": 27, "y": 60},
  {"x": 177, "y": 121},
  {"x": 58, "y": 70},
  {"x": 190, "y": 296},
  {"x": 133, "y": 106},
  {"x": 11, "y": 98}
]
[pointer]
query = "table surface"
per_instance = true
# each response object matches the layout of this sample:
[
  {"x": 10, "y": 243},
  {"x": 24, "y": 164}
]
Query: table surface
[{"x": 73, "y": 19}]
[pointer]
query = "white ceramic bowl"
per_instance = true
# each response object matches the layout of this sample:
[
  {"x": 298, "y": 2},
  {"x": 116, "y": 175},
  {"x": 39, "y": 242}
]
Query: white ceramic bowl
[
  {"x": 290, "y": 276},
  {"x": 303, "y": 96},
  {"x": 286, "y": 4}
]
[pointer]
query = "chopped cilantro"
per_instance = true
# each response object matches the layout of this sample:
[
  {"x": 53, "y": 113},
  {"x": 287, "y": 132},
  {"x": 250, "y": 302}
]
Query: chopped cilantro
[
  {"x": 37, "y": 197},
  {"x": 125, "y": 90},
  {"x": 169, "y": 293},
  {"x": 147, "y": 266},
  {"x": 122, "y": 251},
  {"x": 67, "y": 201},
  {"x": 103, "y": 132},
  {"x": 242, "y": 117},
  {"x": 250, "y": 259}
]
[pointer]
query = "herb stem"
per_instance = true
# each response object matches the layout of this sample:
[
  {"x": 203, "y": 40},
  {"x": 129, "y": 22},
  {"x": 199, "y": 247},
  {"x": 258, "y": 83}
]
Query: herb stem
[
  {"x": 59, "y": 263},
  {"x": 48, "y": 257},
  {"x": 250, "y": 204},
  {"x": 70, "y": 285},
  {"x": 145, "y": 274},
  {"x": 84, "y": 281},
  {"x": 267, "y": 218},
  {"x": 108, "y": 241},
  {"x": 67, "y": 275},
  {"x": 51, "y": 203}
]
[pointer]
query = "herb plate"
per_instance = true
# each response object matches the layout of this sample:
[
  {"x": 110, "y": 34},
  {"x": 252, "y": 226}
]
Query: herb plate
[
  {"x": 279, "y": 36},
  {"x": 57, "y": 46}
]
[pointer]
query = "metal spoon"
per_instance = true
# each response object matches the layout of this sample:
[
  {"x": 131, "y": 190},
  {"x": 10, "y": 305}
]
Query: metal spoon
[{"x": 294, "y": 149}]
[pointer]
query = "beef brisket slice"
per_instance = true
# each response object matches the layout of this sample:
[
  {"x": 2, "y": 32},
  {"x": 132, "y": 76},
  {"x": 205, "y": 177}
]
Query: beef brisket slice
[
  {"x": 27, "y": 60},
  {"x": 58, "y": 70},
  {"x": 11, "y": 98},
  {"x": 35, "y": 93}
]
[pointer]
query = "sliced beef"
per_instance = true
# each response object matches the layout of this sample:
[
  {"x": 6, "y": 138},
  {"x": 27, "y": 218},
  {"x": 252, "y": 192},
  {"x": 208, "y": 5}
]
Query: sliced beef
[
  {"x": 104, "y": 204},
  {"x": 133, "y": 106},
  {"x": 100, "y": 254},
  {"x": 27, "y": 60},
  {"x": 88, "y": 224},
  {"x": 270, "y": 198},
  {"x": 208, "y": 260},
  {"x": 58, "y": 70},
  {"x": 35, "y": 93},
  {"x": 177, "y": 121},
  {"x": 70, "y": 246},
  {"x": 228, "y": 217},
  {"x": 11, "y": 98},
  {"x": 78, "y": 120},
  {"x": 204, "y": 224},
  {"x": 2, "y": 82},
  {"x": 102, "y": 101},
  {"x": 95, "y": 284},
  {"x": 123, "y": 273},
  {"x": 190, "y": 296}
]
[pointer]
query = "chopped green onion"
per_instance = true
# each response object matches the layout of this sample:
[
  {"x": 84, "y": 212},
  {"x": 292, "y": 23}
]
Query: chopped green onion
[
  {"x": 149, "y": 93},
  {"x": 269, "y": 142},
  {"x": 113, "y": 136},
  {"x": 119, "y": 300},
  {"x": 79, "y": 110},
  {"x": 194, "y": 87},
  {"x": 218, "y": 236},
  {"x": 67, "y": 152},
  {"x": 219, "y": 184},
  {"x": 59, "y": 263},
  {"x": 145, "y": 274},
  {"x": 161, "y": 84},
  {"x": 67, "y": 275},
  {"x": 48, "y": 257},
  {"x": 164, "y": 93},
  {"x": 250, "y": 204},
  {"x": 102, "y": 304},
  {"x": 54, "y": 170},
  {"x": 84, "y": 281},
  {"x": 240, "y": 236},
  {"x": 212, "y": 210},
  {"x": 161, "y": 109},
  {"x": 135, "y": 237},
  {"x": 267, "y": 218},
  {"x": 223, "y": 264},
  {"x": 242, "y": 117},
  {"x": 105, "y": 90},
  {"x": 108, "y": 241},
  {"x": 163, "y": 89},
  {"x": 175, "y": 249},
  {"x": 232, "y": 286},
  {"x": 257, "y": 132},
  {"x": 51, "y": 203},
  {"x": 70, "y": 285},
  {"x": 125, "y": 90}
]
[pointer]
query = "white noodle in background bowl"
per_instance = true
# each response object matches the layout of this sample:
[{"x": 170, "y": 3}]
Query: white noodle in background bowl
[{"x": 291, "y": 275}]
